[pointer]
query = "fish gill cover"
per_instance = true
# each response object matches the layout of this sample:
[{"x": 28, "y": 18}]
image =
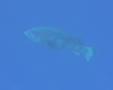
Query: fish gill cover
[{"x": 55, "y": 39}]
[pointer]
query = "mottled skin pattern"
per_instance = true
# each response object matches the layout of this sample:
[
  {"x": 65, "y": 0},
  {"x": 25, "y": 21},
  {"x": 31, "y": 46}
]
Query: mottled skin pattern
[{"x": 55, "y": 39}]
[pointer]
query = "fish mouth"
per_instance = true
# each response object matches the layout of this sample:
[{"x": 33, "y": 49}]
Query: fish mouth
[{"x": 26, "y": 33}]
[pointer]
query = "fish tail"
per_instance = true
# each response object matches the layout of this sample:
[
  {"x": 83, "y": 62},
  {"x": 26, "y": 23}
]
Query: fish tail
[{"x": 89, "y": 52}]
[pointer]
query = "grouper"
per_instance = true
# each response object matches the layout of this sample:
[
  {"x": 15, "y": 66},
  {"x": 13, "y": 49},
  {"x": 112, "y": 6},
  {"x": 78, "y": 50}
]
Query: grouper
[{"x": 54, "y": 39}]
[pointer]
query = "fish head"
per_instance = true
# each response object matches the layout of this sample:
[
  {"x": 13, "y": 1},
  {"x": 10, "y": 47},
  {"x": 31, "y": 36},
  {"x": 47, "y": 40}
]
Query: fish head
[{"x": 32, "y": 35}]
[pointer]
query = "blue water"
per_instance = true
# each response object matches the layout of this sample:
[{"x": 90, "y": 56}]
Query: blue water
[{"x": 26, "y": 65}]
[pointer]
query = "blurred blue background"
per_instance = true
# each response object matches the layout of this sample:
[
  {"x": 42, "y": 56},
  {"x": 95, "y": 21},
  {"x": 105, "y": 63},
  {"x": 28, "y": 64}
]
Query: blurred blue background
[{"x": 25, "y": 65}]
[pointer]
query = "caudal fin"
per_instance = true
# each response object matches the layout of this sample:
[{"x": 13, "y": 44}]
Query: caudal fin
[{"x": 89, "y": 52}]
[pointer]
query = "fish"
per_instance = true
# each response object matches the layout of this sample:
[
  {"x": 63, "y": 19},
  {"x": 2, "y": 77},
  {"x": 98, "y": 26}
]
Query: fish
[{"x": 54, "y": 39}]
